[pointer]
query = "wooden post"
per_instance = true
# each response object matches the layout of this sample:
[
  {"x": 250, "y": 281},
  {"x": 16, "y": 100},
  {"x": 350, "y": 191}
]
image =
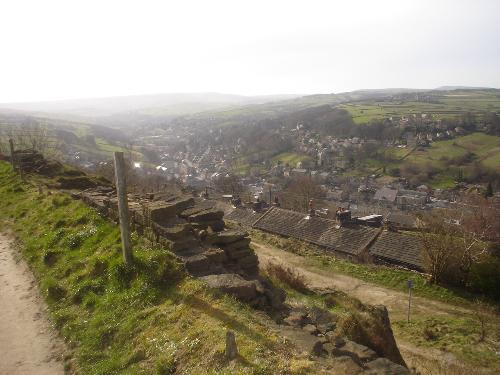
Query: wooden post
[
  {"x": 231, "y": 348},
  {"x": 121, "y": 192},
  {"x": 12, "y": 157},
  {"x": 410, "y": 287}
]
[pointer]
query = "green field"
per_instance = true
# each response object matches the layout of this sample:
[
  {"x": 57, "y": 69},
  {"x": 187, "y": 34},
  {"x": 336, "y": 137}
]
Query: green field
[
  {"x": 243, "y": 166},
  {"x": 450, "y": 105},
  {"x": 485, "y": 147},
  {"x": 291, "y": 158},
  {"x": 485, "y": 150}
]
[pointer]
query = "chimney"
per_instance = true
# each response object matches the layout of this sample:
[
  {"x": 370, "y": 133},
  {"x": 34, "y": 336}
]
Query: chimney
[
  {"x": 312, "y": 212},
  {"x": 343, "y": 216}
]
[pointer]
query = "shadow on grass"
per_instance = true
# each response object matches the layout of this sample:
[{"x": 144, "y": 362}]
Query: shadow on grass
[{"x": 229, "y": 321}]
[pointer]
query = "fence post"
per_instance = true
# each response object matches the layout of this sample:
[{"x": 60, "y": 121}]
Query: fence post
[
  {"x": 231, "y": 348},
  {"x": 121, "y": 192},
  {"x": 12, "y": 158}
]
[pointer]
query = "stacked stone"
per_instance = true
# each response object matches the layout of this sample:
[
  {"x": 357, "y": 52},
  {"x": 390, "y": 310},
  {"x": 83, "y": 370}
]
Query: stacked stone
[
  {"x": 194, "y": 231},
  {"x": 98, "y": 198},
  {"x": 33, "y": 161},
  {"x": 236, "y": 245},
  {"x": 202, "y": 217}
]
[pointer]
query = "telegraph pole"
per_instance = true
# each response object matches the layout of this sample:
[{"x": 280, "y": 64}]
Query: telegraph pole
[{"x": 121, "y": 192}]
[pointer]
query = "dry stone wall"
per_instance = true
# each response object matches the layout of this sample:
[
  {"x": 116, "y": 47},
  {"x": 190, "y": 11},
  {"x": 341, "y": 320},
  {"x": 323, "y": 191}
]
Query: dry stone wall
[{"x": 194, "y": 230}]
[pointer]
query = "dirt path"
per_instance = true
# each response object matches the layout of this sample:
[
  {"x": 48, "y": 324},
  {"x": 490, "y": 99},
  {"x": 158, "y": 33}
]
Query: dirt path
[
  {"x": 320, "y": 281},
  {"x": 28, "y": 344},
  {"x": 395, "y": 301}
]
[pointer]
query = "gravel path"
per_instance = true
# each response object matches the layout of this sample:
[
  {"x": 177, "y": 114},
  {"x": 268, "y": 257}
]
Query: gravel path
[{"x": 28, "y": 344}]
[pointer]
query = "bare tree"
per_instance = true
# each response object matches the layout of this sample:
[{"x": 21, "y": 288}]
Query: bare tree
[
  {"x": 438, "y": 244},
  {"x": 484, "y": 311},
  {"x": 300, "y": 191}
]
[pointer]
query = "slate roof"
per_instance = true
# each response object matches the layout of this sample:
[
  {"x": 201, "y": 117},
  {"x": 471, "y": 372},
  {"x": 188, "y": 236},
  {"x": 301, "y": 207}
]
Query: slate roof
[
  {"x": 243, "y": 216},
  {"x": 319, "y": 231},
  {"x": 398, "y": 248}
]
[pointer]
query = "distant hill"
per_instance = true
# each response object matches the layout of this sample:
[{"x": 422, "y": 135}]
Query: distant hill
[
  {"x": 160, "y": 104},
  {"x": 450, "y": 88}
]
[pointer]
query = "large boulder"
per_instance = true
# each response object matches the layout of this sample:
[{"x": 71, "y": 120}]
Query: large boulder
[
  {"x": 175, "y": 232},
  {"x": 359, "y": 353},
  {"x": 243, "y": 243},
  {"x": 228, "y": 237},
  {"x": 233, "y": 284},
  {"x": 209, "y": 215},
  {"x": 383, "y": 366},
  {"x": 197, "y": 264},
  {"x": 162, "y": 211},
  {"x": 215, "y": 225},
  {"x": 370, "y": 326},
  {"x": 76, "y": 182}
]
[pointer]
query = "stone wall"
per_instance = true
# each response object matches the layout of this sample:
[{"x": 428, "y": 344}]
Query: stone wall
[{"x": 194, "y": 230}]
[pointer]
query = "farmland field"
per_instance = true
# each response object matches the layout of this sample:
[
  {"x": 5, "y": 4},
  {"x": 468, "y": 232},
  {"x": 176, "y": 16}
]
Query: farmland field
[
  {"x": 447, "y": 105},
  {"x": 483, "y": 148}
]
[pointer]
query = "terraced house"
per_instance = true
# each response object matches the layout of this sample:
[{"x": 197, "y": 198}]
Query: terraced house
[{"x": 343, "y": 238}]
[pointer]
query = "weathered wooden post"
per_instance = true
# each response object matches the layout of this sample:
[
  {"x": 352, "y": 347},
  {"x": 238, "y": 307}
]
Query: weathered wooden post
[
  {"x": 121, "y": 192},
  {"x": 410, "y": 287},
  {"x": 231, "y": 348},
  {"x": 12, "y": 157}
]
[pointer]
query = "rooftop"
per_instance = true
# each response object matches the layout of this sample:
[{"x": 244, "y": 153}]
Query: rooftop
[
  {"x": 319, "y": 231},
  {"x": 244, "y": 216},
  {"x": 398, "y": 248}
]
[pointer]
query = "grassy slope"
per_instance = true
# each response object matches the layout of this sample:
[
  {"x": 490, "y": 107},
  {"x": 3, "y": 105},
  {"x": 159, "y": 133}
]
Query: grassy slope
[{"x": 149, "y": 318}]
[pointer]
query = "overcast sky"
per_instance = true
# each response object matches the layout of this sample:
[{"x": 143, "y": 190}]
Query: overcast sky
[{"x": 70, "y": 48}]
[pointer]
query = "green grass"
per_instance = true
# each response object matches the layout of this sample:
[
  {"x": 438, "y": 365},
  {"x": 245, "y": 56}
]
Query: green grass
[
  {"x": 291, "y": 158},
  {"x": 149, "y": 318},
  {"x": 458, "y": 335}
]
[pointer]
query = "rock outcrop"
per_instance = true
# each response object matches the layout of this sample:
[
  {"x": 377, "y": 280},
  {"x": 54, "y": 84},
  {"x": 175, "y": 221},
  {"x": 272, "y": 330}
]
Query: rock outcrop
[{"x": 322, "y": 334}]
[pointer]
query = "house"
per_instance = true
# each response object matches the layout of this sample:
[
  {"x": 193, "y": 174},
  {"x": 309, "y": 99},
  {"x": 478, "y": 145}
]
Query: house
[
  {"x": 386, "y": 195},
  {"x": 298, "y": 172},
  {"x": 398, "y": 249},
  {"x": 400, "y": 221},
  {"x": 350, "y": 242},
  {"x": 407, "y": 198}
]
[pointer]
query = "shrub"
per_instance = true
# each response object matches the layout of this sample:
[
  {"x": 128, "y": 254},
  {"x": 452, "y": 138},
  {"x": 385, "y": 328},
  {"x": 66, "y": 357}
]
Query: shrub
[
  {"x": 429, "y": 333},
  {"x": 287, "y": 276}
]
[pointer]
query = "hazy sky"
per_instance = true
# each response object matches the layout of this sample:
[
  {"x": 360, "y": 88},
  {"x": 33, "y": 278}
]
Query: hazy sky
[{"x": 70, "y": 48}]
